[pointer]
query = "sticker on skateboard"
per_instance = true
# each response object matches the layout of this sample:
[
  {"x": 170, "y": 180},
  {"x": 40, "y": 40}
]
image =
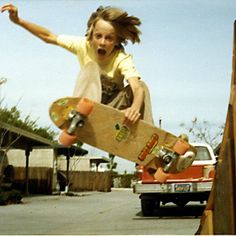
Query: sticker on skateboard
[{"x": 123, "y": 132}]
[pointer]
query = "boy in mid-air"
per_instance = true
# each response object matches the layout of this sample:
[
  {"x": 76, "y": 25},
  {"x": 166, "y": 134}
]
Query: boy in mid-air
[{"x": 102, "y": 50}]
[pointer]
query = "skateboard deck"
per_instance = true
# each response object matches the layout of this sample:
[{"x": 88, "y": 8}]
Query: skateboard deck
[{"x": 102, "y": 127}]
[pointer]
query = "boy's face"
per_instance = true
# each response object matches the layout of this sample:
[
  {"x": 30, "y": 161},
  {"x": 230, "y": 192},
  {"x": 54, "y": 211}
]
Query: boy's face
[{"x": 103, "y": 39}]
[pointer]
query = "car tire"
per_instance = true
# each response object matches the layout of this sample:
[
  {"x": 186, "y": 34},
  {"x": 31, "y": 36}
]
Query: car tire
[{"x": 148, "y": 206}]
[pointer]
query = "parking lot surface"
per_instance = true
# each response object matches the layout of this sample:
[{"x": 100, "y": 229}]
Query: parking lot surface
[{"x": 92, "y": 213}]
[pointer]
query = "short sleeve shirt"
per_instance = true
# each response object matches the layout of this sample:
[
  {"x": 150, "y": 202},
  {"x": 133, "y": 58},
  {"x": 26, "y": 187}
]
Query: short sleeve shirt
[{"x": 118, "y": 68}]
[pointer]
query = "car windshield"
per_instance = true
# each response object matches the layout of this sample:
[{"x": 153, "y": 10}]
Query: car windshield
[{"x": 202, "y": 154}]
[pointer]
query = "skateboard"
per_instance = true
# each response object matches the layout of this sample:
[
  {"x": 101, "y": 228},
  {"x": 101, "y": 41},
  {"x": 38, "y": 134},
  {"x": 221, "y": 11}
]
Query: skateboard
[
  {"x": 101, "y": 126},
  {"x": 83, "y": 118}
]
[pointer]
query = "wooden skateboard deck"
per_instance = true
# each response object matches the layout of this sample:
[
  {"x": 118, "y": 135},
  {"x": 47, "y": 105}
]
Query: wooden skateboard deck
[{"x": 141, "y": 143}]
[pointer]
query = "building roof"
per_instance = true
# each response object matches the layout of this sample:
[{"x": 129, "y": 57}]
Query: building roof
[
  {"x": 12, "y": 137},
  {"x": 99, "y": 160}
]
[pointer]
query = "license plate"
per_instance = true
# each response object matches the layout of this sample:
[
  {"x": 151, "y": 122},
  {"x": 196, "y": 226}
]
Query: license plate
[{"x": 182, "y": 188}]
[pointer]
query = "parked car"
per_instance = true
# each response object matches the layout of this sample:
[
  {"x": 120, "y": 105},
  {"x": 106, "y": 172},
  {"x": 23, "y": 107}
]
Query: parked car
[{"x": 193, "y": 184}]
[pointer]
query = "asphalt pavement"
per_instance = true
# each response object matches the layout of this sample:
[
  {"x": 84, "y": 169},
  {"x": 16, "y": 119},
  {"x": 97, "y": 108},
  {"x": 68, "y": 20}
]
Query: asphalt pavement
[{"x": 91, "y": 213}]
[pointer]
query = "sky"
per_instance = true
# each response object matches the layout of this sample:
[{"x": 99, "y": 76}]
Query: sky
[{"x": 185, "y": 58}]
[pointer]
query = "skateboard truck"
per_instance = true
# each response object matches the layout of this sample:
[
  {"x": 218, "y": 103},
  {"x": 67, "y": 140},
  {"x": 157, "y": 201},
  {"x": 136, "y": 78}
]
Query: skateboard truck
[
  {"x": 71, "y": 117},
  {"x": 77, "y": 120},
  {"x": 168, "y": 158}
]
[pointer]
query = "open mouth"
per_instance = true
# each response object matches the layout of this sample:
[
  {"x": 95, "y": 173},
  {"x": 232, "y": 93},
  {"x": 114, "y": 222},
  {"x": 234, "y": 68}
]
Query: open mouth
[{"x": 101, "y": 51}]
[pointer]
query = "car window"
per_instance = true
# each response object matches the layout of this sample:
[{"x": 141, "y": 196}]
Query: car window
[{"x": 202, "y": 154}]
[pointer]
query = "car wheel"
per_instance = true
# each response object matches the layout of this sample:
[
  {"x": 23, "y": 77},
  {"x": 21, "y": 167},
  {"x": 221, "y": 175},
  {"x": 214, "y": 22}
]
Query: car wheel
[{"x": 148, "y": 206}]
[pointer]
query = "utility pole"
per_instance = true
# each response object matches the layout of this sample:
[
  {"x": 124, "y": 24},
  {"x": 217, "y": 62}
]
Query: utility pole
[{"x": 160, "y": 122}]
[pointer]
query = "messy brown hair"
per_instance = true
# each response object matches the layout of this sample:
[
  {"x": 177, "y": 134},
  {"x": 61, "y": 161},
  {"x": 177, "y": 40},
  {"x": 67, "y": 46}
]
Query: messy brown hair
[{"x": 125, "y": 25}]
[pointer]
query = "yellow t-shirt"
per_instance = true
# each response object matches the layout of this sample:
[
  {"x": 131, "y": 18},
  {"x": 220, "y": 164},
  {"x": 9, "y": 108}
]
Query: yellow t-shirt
[{"x": 118, "y": 68}]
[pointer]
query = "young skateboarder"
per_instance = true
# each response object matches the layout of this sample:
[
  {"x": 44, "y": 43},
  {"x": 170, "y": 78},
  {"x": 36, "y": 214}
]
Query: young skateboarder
[{"x": 102, "y": 48}]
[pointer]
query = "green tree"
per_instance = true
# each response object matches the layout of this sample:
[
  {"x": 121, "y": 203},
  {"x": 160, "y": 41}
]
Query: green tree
[{"x": 13, "y": 117}]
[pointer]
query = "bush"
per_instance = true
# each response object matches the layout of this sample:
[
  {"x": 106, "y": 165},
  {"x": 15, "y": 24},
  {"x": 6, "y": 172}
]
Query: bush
[
  {"x": 125, "y": 179},
  {"x": 10, "y": 197}
]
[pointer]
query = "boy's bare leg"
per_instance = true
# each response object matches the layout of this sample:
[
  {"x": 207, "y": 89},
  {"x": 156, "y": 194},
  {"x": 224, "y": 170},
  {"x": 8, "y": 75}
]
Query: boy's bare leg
[{"x": 88, "y": 83}]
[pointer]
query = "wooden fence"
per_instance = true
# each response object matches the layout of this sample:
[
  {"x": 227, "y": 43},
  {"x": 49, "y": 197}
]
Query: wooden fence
[
  {"x": 40, "y": 180},
  {"x": 219, "y": 216},
  {"x": 90, "y": 181}
]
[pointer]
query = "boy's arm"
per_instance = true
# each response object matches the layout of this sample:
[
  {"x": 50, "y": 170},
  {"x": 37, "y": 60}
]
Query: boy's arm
[
  {"x": 36, "y": 30},
  {"x": 132, "y": 113}
]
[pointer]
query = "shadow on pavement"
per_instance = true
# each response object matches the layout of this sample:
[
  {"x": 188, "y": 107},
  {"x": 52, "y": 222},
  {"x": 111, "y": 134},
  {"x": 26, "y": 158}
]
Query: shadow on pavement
[{"x": 173, "y": 211}]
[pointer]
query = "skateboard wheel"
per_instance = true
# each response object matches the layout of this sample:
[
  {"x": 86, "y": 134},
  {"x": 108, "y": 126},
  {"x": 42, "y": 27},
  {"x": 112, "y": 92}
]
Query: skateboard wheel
[
  {"x": 181, "y": 147},
  {"x": 160, "y": 176},
  {"x": 85, "y": 106},
  {"x": 66, "y": 139},
  {"x": 185, "y": 161}
]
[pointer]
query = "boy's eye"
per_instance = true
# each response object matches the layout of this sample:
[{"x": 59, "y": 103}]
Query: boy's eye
[
  {"x": 109, "y": 38},
  {"x": 98, "y": 36}
]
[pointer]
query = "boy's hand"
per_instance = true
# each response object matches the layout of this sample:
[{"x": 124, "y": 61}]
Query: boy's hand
[
  {"x": 13, "y": 12},
  {"x": 131, "y": 116}
]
